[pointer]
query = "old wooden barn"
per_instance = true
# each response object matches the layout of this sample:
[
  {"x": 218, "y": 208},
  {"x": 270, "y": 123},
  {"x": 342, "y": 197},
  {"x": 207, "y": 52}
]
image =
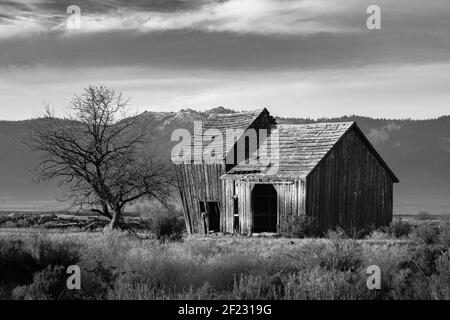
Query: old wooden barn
[{"x": 328, "y": 171}]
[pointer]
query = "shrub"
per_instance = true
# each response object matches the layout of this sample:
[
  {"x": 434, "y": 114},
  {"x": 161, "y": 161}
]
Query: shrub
[
  {"x": 168, "y": 228},
  {"x": 116, "y": 265},
  {"x": 21, "y": 261},
  {"x": 205, "y": 292},
  {"x": 251, "y": 287},
  {"x": 124, "y": 289},
  {"x": 96, "y": 281},
  {"x": 400, "y": 228},
  {"x": 45, "y": 276},
  {"x": 378, "y": 235},
  {"x": 48, "y": 284},
  {"x": 24, "y": 223},
  {"x": 55, "y": 253},
  {"x": 314, "y": 283},
  {"x": 423, "y": 259},
  {"x": 16, "y": 264},
  {"x": 439, "y": 284},
  {"x": 424, "y": 274},
  {"x": 344, "y": 254},
  {"x": 300, "y": 226},
  {"x": 10, "y": 224},
  {"x": 444, "y": 237},
  {"x": 359, "y": 232},
  {"x": 427, "y": 233},
  {"x": 407, "y": 285}
]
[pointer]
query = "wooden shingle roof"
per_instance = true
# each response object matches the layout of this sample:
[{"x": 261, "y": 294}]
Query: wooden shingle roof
[
  {"x": 300, "y": 148},
  {"x": 238, "y": 120},
  {"x": 220, "y": 123}
]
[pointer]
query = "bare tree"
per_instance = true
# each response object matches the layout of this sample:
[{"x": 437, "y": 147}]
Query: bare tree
[{"x": 101, "y": 156}]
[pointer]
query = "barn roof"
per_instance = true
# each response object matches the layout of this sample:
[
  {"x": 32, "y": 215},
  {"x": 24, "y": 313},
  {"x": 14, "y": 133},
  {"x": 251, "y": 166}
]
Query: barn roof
[
  {"x": 222, "y": 122},
  {"x": 300, "y": 148},
  {"x": 238, "y": 120}
]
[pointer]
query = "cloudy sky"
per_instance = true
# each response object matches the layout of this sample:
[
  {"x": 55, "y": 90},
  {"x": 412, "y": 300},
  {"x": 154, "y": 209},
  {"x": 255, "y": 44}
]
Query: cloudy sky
[{"x": 304, "y": 58}]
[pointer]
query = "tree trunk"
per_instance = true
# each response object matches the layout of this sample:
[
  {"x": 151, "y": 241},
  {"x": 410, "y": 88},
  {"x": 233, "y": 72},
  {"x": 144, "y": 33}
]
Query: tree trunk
[{"x": 116, "y": 218}]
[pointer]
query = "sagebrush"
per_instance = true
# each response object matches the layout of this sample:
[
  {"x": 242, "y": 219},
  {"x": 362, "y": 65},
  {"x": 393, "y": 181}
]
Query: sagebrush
[{"x": 117, "y": 265}]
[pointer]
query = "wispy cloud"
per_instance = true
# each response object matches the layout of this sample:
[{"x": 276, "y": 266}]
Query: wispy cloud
[
  {"x": 248, "y": 16},
  {"x": 266, "y": 17},
  {"x": 258, "y": 17},
  {"x": 235, "y": 16}
]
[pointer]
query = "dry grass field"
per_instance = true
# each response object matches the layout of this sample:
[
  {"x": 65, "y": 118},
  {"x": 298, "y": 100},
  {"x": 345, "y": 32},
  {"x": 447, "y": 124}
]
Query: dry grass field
[{"x": 413, "y": 257}]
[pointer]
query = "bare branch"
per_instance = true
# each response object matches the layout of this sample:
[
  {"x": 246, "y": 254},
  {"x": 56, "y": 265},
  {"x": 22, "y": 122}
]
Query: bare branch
[{"x": 102, "y": 158}]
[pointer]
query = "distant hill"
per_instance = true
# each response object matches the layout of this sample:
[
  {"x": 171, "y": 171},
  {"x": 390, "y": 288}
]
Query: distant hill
[{"x": 417, "y": 150}]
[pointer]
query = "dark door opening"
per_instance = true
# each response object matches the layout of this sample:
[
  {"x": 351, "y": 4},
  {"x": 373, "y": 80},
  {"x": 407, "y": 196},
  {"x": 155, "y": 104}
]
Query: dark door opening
[
  {"x": 213, "y": 216},
  {"x": 264, "y": 202}
]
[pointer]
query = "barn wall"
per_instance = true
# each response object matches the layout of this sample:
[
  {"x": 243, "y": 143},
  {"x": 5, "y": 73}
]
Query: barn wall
[
  {"x": 243, "y": 192},
  {"x": 226, "y": 223},
  {"x": 291, "y": 201},
  {"x": 199, "y": 182},
  {"x": 350, "y": 188}
]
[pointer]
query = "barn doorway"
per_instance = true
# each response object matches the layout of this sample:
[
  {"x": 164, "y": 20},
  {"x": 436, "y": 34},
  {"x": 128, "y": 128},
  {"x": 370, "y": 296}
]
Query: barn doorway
[
  {"x": 213, "y": 216},
  {"x": 264, "y": 203}
]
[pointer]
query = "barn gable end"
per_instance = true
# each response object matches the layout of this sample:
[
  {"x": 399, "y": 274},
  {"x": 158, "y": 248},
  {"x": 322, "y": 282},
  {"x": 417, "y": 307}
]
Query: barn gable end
[
  {"x": 356, "y": 130},
  {"x": 351, "y": 186}
]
